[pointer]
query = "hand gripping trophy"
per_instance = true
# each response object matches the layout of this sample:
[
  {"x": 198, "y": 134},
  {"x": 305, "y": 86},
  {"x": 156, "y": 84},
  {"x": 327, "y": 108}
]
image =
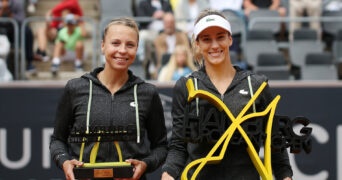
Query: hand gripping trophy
[{"x": 97, "y": 135}]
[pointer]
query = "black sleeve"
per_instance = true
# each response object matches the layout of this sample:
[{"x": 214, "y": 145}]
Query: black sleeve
[
  {"x": 156, "y": 132},
  {"x": 281, "y": 165},
  {"x": 63, "y": 122},
  {"x": 177, "y": 155}
]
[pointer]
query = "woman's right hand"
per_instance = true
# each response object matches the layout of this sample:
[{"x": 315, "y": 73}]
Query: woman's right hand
[
  {"x": 166, "y": 176},
  {"x": 68, "y": 167}
]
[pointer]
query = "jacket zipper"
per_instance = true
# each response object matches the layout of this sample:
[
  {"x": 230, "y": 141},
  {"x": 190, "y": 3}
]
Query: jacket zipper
[{"x": 109, "y": 149}]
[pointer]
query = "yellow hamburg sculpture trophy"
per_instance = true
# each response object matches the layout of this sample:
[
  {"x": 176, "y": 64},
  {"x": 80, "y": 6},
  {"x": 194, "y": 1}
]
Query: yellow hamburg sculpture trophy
[
  {"x": 278, "y": 133},
  {"x": 96, "y": 135}
]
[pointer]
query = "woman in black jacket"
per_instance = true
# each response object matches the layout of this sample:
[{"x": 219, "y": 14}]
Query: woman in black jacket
[
  {"x": 112, "y": 97},
  {"x": 198, "y": 124}
]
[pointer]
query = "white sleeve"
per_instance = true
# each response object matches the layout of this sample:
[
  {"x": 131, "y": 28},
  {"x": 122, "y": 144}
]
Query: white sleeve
[{"x": 4, "y": 46}]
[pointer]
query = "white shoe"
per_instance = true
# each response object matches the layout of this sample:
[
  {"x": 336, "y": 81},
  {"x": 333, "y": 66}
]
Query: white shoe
[{"x": 54, "y": 69}]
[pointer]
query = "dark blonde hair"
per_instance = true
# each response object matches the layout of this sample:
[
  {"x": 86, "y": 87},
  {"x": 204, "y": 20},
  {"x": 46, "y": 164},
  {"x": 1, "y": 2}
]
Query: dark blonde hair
[
  {"x": 195, "y": 51},
  {"x": 126, "y": 21},
  {"x": 171, "y": 66}
]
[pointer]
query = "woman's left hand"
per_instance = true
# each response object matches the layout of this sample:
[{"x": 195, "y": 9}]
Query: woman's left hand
[{"x": 139, "y": 169}]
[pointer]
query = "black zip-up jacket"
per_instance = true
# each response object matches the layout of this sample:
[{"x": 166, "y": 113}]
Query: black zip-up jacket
[
  {"x": 107, "y": 110},
  {"x": 236, "y": 164}
]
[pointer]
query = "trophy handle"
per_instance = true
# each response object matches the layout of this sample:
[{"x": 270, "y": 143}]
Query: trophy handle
[
  {"x": 82, "y": 150},
  {"x": 92, "y": 169},
  {"x": 118, "y": 150},
  {"x": 94, "y": 151}
]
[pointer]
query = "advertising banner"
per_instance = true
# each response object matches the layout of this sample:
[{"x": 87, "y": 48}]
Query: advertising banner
[{"x": 27, "y": 118}]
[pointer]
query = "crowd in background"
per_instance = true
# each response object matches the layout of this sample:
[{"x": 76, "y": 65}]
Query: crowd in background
[{"x": 160, "y": 39}]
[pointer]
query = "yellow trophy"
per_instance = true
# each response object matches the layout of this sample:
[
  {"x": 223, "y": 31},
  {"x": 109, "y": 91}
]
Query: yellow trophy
[
  {"x": 93, "y": 169},
  {"x": 264, "y": 168}
]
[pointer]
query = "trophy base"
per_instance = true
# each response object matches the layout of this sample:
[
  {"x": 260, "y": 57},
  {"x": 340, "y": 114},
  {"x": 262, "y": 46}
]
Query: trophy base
[{"x": 104, "y": 172}]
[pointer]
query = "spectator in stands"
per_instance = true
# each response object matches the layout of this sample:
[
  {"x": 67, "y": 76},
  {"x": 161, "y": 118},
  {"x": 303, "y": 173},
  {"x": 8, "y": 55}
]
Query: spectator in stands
[
  {"x": 180, "y": 64},
  {"x": 154, "y": 9},
  {"x": 186, "y": 12},
  {"x": 252, "y": 5},
  {"x": 69, "y": 43},
  {"x": 5, "y": 74},
  {"x": 312, "y": 8},
  {"x": 167, "y": 40},
  {"x": 54, "y": 24},
  {"x": 14, "y": 9}
]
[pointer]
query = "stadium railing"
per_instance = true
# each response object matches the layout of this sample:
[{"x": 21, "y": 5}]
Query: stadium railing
[{"x": 288, "y": 20}]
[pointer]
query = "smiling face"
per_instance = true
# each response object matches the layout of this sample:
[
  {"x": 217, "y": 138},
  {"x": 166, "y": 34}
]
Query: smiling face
[
  {"x": 214, "y": 43},
  {"x": 119, "y": 46}
]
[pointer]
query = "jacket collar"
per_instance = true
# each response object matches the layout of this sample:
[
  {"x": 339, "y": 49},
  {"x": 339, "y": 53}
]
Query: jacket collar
[
  {"x": 202, "y": 75},
  {"x": 132, "y": 79}
]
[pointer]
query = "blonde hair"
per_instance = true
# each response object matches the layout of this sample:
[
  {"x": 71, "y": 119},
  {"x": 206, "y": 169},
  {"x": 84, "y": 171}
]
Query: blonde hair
[
  {"x": 126, "y": 21},
  {"x": 196, "y": 52},
  {"x": 171, "y": 66}
]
